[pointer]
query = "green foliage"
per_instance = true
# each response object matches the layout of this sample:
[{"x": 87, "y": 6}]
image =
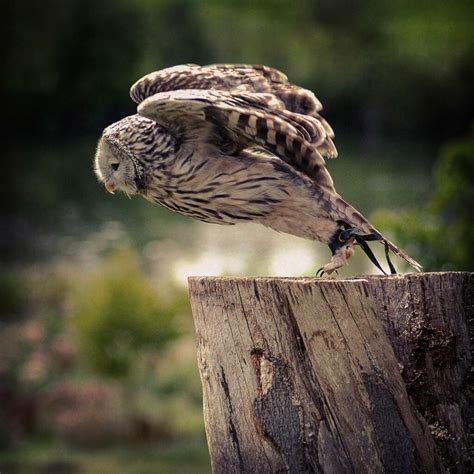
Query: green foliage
[
  {"x": 117, "y": 316},
  {"x": 454, "y": 201},
  {"x": 183, "y": 457},
  {"x": 13, "y": 296},
  {"x": 454, "y": 177},
  {"x": 366, "y": 59},
  {"x": 441, "y": 233}
]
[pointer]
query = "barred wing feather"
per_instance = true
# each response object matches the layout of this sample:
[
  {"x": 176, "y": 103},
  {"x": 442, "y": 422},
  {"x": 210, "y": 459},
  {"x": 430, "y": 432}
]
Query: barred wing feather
[
  {"x": 250, "y": 118},
  {"x": 297, "y": 103}
]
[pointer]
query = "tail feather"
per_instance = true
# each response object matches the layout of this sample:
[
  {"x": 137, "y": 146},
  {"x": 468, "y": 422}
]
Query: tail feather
[
  {"x": 403, "y": 255},
  {"x": 354, "y": 218}
]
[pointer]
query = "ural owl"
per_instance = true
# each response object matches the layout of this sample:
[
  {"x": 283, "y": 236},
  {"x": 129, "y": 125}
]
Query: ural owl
[{"x": 234, "y": 143}]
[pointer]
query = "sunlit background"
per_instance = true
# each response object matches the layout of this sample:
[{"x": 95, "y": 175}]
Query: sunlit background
[{"x": 97, "y": 350}]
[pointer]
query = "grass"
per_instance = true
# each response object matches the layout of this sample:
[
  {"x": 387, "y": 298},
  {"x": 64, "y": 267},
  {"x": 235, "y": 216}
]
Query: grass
[{"x": 154, "y": 458}]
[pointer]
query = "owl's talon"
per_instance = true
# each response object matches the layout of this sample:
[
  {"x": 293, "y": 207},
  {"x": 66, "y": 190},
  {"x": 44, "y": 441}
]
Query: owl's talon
[
  {"x": 340, "y": 257},
  {"x": 321, "y": 271}
]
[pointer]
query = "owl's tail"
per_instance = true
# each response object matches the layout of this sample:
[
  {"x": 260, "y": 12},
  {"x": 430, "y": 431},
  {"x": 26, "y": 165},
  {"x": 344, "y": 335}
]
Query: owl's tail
[
  {"x": 357, "y": 226},
  {"x": 362, "y": 240},
  {"x": 400, "y": 253}
]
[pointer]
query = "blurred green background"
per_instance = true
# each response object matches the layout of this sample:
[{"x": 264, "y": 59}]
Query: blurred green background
[{"x": 97, "y": 353}]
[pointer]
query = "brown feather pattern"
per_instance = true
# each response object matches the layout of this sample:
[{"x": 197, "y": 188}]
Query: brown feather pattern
[{"x": 227, "y": 143}]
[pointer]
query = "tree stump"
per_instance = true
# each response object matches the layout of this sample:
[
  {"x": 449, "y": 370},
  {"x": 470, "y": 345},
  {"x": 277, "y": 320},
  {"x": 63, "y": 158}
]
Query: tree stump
[{"x": 357, "y": 375}]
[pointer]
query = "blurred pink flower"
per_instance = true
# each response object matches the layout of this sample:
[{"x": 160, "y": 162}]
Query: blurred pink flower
[
  {"x": 36, "y": 367},
  {"x": 84, "y": 413},
  {"x": 33, "y": 331},
  {"x": 63, "y": 351}
]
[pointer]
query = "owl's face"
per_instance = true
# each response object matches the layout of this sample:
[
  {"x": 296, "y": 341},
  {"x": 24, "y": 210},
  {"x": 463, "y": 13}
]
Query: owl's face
[
  {"x": 119, "y": 163},
  {"x": 129, "y": 150},
  {"x": 116, "y": 168}
]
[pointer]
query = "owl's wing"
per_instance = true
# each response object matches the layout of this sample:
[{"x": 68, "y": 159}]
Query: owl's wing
[
  {"x": 259, "y": 78},
  {"x": 249, "y": 119},
  {"x": 224, "y": 77},
  {"x": 300, "y": 104}
]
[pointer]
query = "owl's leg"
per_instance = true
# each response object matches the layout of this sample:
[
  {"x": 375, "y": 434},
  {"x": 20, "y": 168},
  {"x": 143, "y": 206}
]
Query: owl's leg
[{"x": 342, "y": 248}]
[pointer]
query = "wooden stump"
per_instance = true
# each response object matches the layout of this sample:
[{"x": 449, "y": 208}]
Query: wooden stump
[{"x": 358, "y": 375}]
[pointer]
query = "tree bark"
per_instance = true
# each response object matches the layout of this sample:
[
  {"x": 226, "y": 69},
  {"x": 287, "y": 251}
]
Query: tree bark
[{"x": 315, "y": 375}]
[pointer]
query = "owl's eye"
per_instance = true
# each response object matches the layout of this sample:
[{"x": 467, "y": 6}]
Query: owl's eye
[{"x": 114, "y": 166}]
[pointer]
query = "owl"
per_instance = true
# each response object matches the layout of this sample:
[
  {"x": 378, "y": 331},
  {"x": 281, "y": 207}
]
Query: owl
[{"x": 231, "y": 143}]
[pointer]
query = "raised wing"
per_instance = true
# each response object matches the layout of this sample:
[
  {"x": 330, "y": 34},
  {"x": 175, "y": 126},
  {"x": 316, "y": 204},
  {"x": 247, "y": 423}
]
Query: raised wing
[
  {"x": 224, "y": 77},
  {"x": 249, "y": 119},
  {"x": 298, "y": 104}
]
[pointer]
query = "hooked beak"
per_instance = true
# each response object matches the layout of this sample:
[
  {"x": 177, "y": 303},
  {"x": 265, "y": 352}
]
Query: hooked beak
[{"x": 110, "y": 188}]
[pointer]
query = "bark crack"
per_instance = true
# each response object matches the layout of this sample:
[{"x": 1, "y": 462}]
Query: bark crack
[{"x": 232, "y": 430}]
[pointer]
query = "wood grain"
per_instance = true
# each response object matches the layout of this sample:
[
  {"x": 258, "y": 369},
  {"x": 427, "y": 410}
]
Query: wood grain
[{"x": 305, "y": 375}]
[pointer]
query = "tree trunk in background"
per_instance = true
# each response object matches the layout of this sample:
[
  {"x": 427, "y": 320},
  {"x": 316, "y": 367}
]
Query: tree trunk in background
[{"x": 361, "y": 375}]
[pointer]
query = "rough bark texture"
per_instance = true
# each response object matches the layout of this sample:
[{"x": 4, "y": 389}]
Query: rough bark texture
[
  {"x": 429, "y": 320},
  {"x": 361, "y": 375}
]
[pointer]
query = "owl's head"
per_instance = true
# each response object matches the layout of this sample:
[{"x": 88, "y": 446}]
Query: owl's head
[{"x": 125, "y": 151}]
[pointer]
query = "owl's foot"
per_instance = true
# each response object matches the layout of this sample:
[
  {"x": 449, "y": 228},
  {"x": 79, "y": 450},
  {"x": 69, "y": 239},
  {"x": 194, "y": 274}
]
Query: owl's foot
[
  {"x": 342, "y": 248},
  {"x": 339, "y": 259}
]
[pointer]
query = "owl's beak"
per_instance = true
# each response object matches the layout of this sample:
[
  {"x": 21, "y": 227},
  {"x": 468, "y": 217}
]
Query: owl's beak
[{"x": 110, "y": 188}]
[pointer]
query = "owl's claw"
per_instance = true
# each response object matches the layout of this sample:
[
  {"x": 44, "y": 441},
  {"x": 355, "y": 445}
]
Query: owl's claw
[
  {"x": 340, "y": 257},
  {"x": 320, "y": 273}
]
